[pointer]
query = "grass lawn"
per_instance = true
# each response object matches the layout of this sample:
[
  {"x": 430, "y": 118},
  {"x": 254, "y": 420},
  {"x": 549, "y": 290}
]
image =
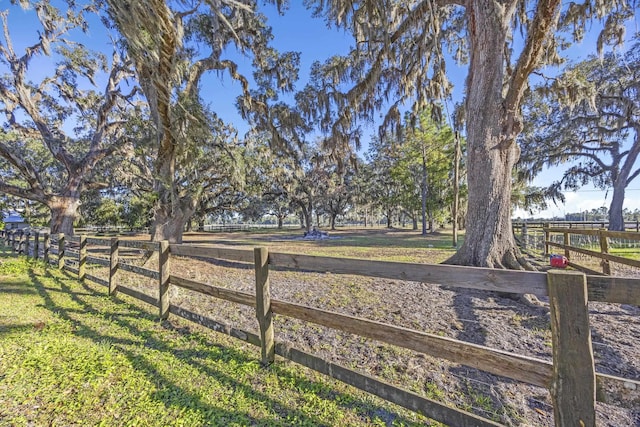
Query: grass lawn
[{"x": 70, "y": 355}]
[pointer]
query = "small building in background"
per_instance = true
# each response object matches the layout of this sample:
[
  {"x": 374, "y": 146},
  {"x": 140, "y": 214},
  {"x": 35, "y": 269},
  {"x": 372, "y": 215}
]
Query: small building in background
[{"x": 13, "y": 220}]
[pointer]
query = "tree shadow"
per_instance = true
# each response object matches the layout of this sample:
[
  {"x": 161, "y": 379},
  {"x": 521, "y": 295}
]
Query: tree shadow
[
  {"x": 482, "y": 388},
  {"x": 610, "y": 361},
  {"x": 169, "y": 392}
]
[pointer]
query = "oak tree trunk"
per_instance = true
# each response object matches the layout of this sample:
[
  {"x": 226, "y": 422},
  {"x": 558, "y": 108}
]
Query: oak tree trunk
[
  {"x": 169, "y": 225},
  {"x": 172, "y": 211},
  {"x": 64, "y": 211},
  {"x": 305, "y": 217},
  {"x": 616, "y": 216},
  {"x": 492, "y": 150}
]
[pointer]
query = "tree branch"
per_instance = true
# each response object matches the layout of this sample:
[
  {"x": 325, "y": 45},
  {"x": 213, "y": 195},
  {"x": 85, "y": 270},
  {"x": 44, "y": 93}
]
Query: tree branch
[
  {"x": 24, "y": 193},
  {"x": 26, "y": 169},
  {"x": 545, "y": 19}
]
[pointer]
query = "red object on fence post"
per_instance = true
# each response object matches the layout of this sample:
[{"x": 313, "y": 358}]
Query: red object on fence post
[{"x": 558, "y": 261}]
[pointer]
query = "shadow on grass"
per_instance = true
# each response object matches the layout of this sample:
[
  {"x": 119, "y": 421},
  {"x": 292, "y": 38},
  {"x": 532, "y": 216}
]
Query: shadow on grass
[
  {"x": 15, "y": 288},
  {"x": 11, "y": 328},
  {"x": 170, "y": 393}
]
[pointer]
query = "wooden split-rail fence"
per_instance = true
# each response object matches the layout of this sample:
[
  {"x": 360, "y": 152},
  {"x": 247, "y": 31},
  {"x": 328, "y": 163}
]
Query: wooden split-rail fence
[
  {"x": 575, "y": 239},
  {"x": 601, "y": 236},
  {"x": 570, "y": 377}
]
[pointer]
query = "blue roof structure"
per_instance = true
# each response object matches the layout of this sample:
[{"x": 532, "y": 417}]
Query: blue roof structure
[{"x": 12, "y": 217}]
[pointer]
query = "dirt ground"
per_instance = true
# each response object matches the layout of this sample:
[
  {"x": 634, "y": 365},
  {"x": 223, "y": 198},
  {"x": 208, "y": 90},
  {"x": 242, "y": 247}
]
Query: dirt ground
[{"x": 473, "y": 316}]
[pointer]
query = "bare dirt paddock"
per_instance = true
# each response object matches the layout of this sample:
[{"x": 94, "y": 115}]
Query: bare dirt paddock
[{"x": 478, "y": 317}]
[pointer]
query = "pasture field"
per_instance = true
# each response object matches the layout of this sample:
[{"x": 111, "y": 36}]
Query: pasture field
[
  {"x": 396, "y": 244},
  {"x": 483, "y": 318},
  {"x": 478, "y": 317}
]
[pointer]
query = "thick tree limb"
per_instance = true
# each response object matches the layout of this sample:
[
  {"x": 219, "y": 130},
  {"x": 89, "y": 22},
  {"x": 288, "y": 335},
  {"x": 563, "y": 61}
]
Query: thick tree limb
[
  {"x": 543, "y": 25},
  {"x": 25, "y": 193}
]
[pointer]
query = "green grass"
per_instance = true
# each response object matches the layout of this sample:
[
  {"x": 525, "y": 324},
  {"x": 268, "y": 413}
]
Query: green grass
[
  {"x": 631, "y": 253},
  {"x": 70, "y": 355}
]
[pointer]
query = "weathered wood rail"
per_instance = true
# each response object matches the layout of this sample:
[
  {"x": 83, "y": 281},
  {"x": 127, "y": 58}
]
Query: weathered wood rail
[{"x": 570, "y": 377}]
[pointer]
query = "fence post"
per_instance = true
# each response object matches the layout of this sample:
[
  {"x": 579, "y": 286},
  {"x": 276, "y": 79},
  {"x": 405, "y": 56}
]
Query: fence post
[
  {"x": 113, "y": 265},
  {"x": 23, "y": 240},
  {"x": 82, "y": 257},
  {"x": 566, "y": 242},
  {"x": 47, "y": 245},
  {"x": 263, "y": 305},
  {"x": 27, "y": 236},
  {"x": 61, "y": 251},
  {"x": 524, "y": 235},
  {"x": 573, "y": 388},
  {"x": 547, "y": 238},
  {"x": 604, "y": 248},
  {"x": 36, "y": 245},
  {"x": 163, "y": 280},
  {"x": 17, "y": 244},
  {"x": 21, "y": 245}
]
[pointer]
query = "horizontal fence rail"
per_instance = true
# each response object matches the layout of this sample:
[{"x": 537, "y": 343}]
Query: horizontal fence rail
[{"x": 562, "y": 378}]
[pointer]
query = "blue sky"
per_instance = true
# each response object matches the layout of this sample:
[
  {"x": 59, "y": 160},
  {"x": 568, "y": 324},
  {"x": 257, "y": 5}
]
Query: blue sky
[{"x": 296, "y": 30}]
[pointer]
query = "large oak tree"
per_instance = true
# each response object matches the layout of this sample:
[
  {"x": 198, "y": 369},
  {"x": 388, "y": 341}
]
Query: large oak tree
[
  {"x": 59, "y": 126},
  {"x": 400, "y": 56},
  {"x": 174, "y": 44},
  {"x": 588, "y": 118}
]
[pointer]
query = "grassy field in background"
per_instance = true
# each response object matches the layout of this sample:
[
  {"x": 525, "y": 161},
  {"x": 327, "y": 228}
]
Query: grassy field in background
[
  {"x": 70, "y": 355},
  {"x": 396, "y": 244}
]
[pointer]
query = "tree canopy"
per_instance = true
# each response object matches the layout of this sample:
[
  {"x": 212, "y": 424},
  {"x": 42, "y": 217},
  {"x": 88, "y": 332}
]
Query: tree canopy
[
  {"x": 173, "y": 45},
  {"x": 588, "y": 120}
]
